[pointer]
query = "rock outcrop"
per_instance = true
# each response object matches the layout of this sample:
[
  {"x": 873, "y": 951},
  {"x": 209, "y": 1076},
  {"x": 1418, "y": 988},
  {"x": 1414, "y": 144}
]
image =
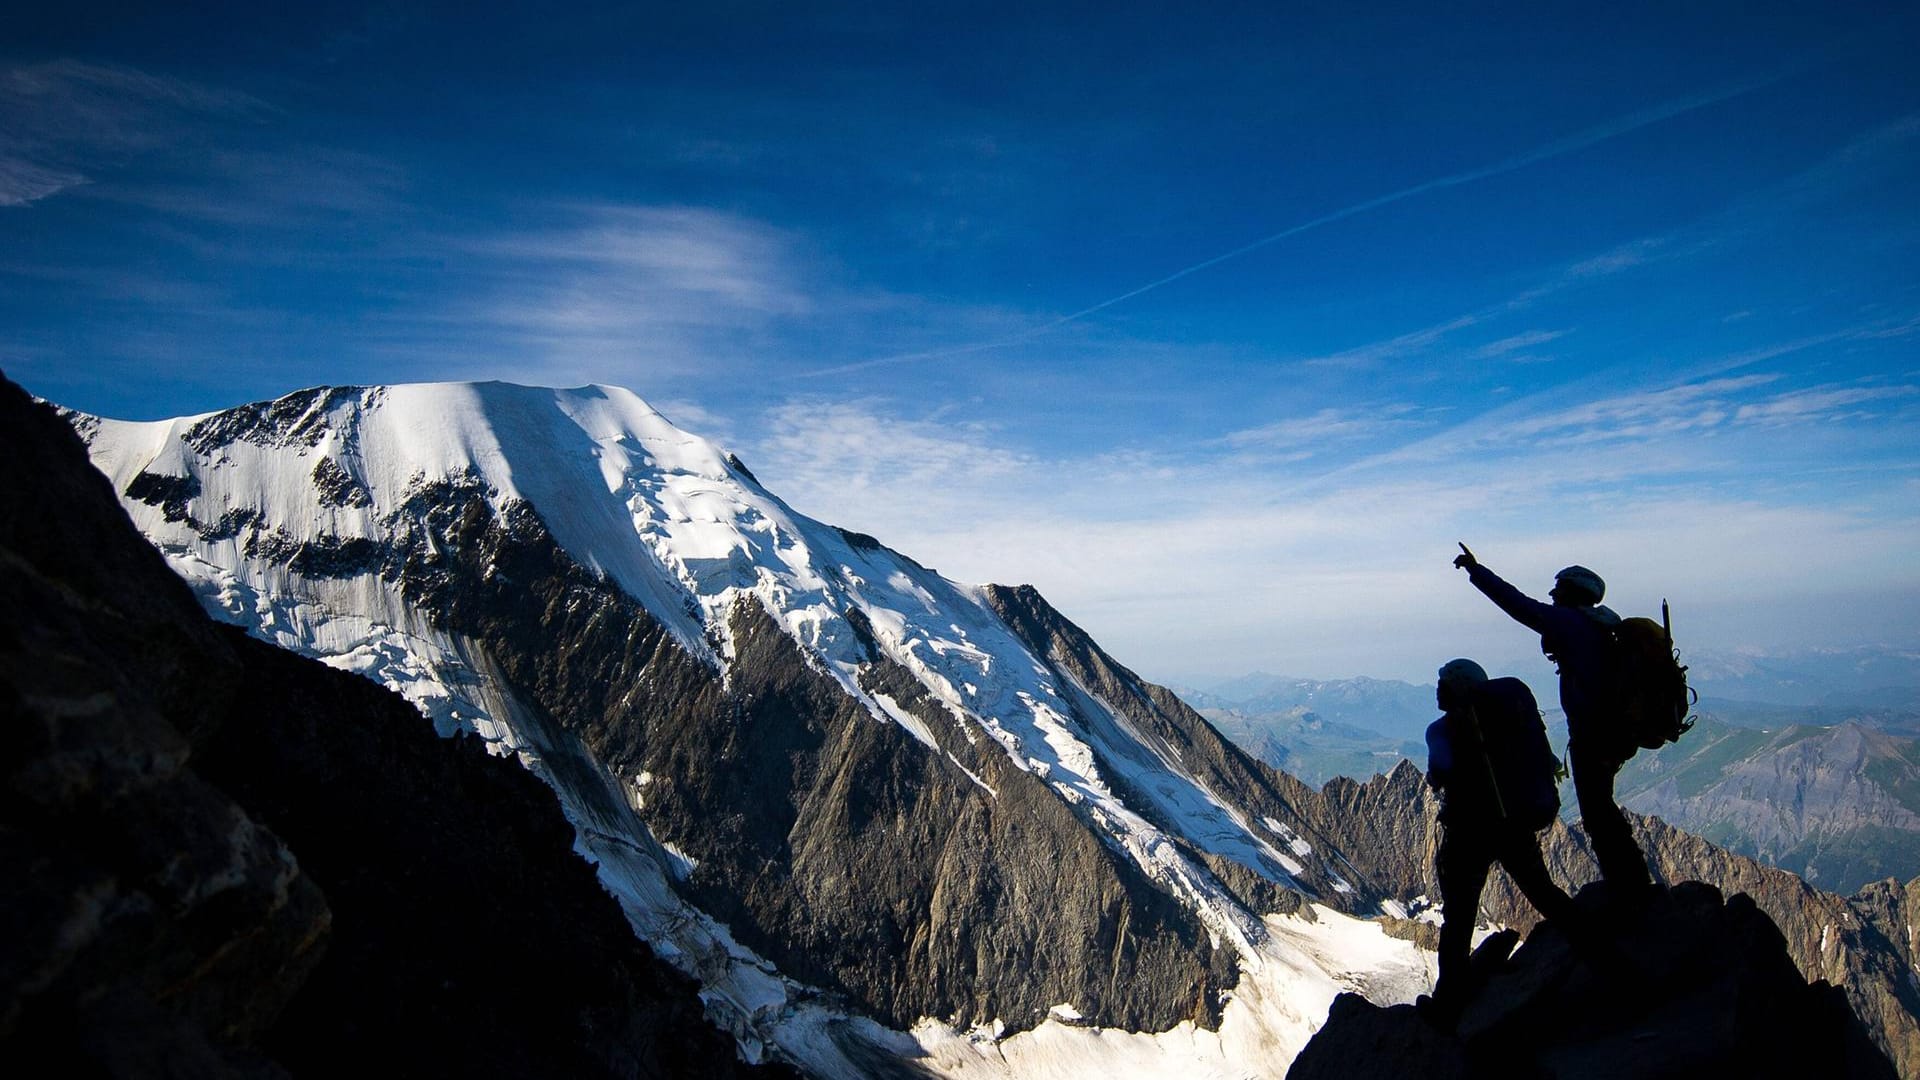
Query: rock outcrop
[
  {"x": 1862, "y": 945},
  {"x": 1707, "y": 989},
  {"x": 220, "y": 859}
]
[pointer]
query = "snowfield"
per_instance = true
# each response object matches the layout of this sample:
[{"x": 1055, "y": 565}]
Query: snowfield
[{"x": 1278, "y": 1005}]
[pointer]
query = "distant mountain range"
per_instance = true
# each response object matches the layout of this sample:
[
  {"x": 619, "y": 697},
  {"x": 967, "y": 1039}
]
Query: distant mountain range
[
  {"x": 1384, "y": 706},
  {"x": 1868, "y": 678},
  {"x": 1318, "y": 729},
  {"x": 1877, "y": 686}
]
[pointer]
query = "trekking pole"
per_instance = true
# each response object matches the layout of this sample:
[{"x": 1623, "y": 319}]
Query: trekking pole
[
  {"x": 1666, "y": 622},
  {"x": 1486, "y": 759}
]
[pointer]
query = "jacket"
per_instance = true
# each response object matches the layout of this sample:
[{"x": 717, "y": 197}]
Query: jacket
[{"x": 1575, "y": 637}]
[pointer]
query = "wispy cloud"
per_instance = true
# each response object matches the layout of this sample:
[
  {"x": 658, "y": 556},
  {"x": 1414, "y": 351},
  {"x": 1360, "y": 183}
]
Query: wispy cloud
[
  {"x": 1823, "y": 405},
  {"x": 62, "y": 122},
  {"x": 1411, "y": 343},
  {"x": 23, "y": 181},
  {"x": 1577, "y": 141},
  {"x": 1623, "y": 257},
  {"x": 858, "y": 464},
  {"x": 670, "y": 285},
  {"x": 1865, "y": 159},
  {"x": 1330, "y": 425},
  {"x": 1587, "y": 271},
  {"x": 1179, "y": 557},
  {"x": 290, "y": 187},
  {"x": 1877, "y": 330},
  {"x": 1517, "y": 343},
  {"x": 1637, "y": 416},
  {"x": 673, "y": 264},
  {"x": 1641, "y": 422}
]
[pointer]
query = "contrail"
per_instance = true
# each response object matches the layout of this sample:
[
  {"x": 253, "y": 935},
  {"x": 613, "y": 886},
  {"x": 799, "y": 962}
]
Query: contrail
[{"x": 1557, "y": 148}]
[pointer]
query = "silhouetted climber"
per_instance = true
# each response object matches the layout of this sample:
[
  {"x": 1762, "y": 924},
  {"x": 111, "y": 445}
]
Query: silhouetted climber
[
  {"x": 1488, "y": 758},
  {"x": 1574, "y": 635}
]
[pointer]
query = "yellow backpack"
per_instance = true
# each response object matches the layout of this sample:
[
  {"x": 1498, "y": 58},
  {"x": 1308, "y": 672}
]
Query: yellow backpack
[{"x": 1650, "y": 692}]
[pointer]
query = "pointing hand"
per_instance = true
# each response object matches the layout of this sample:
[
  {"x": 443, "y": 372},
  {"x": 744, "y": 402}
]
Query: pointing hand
[{"x": 1465, "y": 559}]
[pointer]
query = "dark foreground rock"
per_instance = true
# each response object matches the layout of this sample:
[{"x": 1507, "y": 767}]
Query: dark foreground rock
[
  {"x": 1865, "y": 944},
  {"x": 1709, "y": 990},
  {"x": 219, "y": 859}
]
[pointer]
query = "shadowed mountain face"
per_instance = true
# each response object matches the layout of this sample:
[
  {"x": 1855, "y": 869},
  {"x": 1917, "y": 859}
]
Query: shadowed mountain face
[
  {"x": 835, "y": 846},
  {"x": 1708, "y": 990},
  {"x": 221, "y": 859}
]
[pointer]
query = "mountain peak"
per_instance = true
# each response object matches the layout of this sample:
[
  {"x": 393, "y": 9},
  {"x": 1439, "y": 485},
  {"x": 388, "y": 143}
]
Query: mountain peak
[{"x": 664, "y": 513}]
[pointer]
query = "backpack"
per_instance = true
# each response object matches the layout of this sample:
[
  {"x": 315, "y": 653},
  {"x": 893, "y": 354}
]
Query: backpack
[
  {"x": 1649, "y": 691},
  {"x": 1517, "y": 759}
]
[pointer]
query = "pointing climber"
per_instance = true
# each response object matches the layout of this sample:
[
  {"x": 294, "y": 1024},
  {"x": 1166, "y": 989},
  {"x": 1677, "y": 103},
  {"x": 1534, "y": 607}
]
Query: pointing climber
[
  {"x": 1574, "y": 634},
  {"x": 1489, "y": 759}
]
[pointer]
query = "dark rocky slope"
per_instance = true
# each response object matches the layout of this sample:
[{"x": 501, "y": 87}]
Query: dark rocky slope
[
  {"x": 218, "y": 859},
  {"x": 1711, "y": 992},
  {"x": 1186, "y": 742}
]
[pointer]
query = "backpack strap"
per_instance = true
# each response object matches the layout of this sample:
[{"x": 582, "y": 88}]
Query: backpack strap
[{"x": 1472, "y": 716}]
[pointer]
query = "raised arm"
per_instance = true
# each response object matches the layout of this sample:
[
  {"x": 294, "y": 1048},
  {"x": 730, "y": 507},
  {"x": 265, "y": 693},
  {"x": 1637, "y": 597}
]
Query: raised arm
[{"x": 1524, "y": 609}]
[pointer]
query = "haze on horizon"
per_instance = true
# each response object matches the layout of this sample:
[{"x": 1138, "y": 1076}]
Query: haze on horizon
[{"x": 1220, "y": 329}]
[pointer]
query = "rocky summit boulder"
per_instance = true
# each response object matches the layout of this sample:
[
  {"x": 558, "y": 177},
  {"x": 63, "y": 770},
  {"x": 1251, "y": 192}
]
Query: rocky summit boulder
[{"x": 1707, "y": 990}]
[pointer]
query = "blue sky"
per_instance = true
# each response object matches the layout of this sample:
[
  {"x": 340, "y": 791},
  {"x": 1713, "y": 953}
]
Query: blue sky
[{"x": 1218, "y": 327}]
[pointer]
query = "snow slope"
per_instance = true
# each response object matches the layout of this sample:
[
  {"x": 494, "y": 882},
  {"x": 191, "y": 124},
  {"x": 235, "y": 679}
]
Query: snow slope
[{"x": 684, "y": 529}]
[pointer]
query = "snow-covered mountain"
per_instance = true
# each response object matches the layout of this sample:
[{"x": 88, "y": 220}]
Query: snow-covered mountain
[{"x": 879, "y": 814}]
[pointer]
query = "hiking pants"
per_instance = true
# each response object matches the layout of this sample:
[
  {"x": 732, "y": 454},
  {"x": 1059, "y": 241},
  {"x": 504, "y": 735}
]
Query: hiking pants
[
  {"x": 1622, "y": 863},
  {"x": 1466, "y": 855}
]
